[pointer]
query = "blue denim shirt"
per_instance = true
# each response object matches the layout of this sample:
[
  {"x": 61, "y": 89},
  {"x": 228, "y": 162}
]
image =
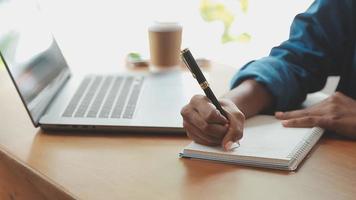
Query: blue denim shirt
[{"x": 321, "y": 44}]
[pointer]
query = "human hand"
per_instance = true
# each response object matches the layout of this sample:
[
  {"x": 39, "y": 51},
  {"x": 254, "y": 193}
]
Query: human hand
[
  {"x": 336, "y": 113},
  {"x": 206, "y": 125}
]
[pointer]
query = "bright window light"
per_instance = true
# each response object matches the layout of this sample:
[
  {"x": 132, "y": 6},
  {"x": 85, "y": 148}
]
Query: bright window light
[{"x": 98, "y": 34}]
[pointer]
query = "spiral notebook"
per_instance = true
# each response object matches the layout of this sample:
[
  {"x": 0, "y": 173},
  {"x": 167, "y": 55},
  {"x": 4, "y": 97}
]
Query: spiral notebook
[{"x": 266, "y": 143}]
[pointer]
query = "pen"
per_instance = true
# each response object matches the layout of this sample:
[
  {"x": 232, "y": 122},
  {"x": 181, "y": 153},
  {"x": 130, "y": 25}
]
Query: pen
[{"x": 192, "y": 65}]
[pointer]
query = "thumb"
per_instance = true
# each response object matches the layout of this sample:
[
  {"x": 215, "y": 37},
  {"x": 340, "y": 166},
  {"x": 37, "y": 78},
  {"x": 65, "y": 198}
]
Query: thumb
[{"x": 234, "y": 132}]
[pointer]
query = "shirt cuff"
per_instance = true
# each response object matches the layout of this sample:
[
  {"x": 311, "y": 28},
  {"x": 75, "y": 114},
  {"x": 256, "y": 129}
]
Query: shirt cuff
[{"x": 276, "y": 78}]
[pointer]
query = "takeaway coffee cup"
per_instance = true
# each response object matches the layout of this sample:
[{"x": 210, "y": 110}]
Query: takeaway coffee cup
[{"x": 165, "y": 40}]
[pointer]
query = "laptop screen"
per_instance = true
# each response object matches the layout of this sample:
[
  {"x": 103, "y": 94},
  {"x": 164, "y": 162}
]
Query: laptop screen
[{"x": 31, "y": 55}]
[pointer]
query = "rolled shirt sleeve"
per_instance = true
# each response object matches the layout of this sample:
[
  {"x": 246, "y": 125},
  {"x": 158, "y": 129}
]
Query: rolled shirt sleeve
[{"x": 315, "y": 49}]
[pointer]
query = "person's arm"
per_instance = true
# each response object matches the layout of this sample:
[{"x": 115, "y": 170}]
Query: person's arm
[
  {"x": 320, "y": 42},
  {"x": 250, "y": 97}
]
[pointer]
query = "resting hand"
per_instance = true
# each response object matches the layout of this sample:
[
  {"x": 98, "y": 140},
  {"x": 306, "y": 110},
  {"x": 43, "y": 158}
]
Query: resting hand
[
  {"x": 336, "y": 113},
  {"x": 206, "y": 125}
]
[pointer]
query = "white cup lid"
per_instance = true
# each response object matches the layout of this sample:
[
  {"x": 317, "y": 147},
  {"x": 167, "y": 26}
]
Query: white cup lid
[{"x": 164, "y": 26}]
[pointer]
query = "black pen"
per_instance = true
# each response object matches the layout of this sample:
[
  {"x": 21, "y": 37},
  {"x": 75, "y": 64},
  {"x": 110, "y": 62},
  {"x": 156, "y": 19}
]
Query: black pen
[{"x": 192, "y": 65}]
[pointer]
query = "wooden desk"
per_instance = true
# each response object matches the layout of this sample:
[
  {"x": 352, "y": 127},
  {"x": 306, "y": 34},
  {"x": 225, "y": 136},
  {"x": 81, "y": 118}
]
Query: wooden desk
[{"x": 38, "y": 165}]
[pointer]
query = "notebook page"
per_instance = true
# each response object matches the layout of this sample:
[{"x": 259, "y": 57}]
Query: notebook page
[{"x": 264, "y": 137}]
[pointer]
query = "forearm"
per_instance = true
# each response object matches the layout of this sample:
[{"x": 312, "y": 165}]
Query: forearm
[{"x": 250, "y": 97}]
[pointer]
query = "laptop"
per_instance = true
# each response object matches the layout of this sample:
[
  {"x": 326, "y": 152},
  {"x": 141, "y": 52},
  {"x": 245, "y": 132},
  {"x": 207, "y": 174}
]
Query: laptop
[{"x": 55, "y": 99}]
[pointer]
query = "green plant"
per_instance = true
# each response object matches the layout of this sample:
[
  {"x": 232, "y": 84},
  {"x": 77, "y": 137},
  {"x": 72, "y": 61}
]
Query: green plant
[{"x": 211, "y": 11}]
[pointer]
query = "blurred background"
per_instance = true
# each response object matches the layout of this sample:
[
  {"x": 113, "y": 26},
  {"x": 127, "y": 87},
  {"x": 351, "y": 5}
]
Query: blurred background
[{"x": 97, "y": 35}]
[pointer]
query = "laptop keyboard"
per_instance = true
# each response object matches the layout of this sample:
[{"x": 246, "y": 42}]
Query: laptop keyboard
[{"x": 105, "y": 97}]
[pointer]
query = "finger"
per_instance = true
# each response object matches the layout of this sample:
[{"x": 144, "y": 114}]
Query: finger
[
  {"x": 302, "y": 122},
  {"x": 190, "y": 115},
  {"x": 234, "y": 132},
  {"x": 215, "y": 130},
  {"x": 207, "y": 110},
  {"x": 327, "y": 123},
  {"x": 331, "y": 123},
  {"x": 297, "y": 114},
  {"x": 195, "y": 134}
]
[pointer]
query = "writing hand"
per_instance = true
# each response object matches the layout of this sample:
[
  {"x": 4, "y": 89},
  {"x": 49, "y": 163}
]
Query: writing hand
[
  {"x": 336, "y": 113},
  {"x": 206, "y": 125}
]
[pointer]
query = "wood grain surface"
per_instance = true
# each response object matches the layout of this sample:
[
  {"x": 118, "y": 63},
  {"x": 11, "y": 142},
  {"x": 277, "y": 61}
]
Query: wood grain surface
[{"x": 65, "y": 165}]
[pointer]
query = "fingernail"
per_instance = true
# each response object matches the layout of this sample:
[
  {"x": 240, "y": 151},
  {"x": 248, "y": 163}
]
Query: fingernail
[
  {"x": 235, "y": 145},
  {"x": 285, "y": 122},
  {"x": 228, "y": 145},
  {"x": 278, "y": 113}
]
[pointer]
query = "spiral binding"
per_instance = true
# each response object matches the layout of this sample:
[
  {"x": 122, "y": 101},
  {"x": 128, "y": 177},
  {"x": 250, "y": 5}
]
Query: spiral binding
[{"x": 305, "y": 145}]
